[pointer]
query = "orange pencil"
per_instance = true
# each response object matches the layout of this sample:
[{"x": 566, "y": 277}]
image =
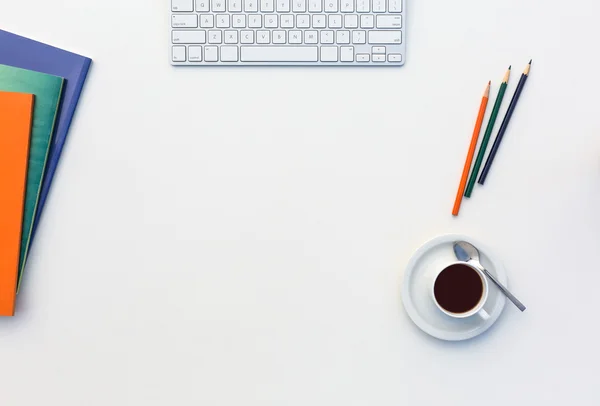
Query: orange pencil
[
  {"x": 465, "y": 174},
  {"x": 16, "y": 111}
]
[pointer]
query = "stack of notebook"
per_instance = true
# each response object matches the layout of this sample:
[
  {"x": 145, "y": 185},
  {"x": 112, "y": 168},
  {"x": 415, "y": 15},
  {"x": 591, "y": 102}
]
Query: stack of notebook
[{"x": 40, "y": 86}]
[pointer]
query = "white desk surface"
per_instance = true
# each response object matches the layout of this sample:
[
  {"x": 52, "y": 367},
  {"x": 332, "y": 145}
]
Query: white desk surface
[{"x": 238, "y": 236}]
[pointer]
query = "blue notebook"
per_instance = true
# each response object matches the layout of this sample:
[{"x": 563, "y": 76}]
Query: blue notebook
[{"x": 27, "y": 54}]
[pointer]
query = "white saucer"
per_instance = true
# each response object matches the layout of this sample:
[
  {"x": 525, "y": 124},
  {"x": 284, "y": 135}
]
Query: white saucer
[{"x": 416, "y": 290}]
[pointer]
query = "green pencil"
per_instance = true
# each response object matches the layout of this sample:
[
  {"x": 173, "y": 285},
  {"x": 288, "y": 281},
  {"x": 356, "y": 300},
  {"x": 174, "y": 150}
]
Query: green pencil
[{"x": 486, "y": 136}]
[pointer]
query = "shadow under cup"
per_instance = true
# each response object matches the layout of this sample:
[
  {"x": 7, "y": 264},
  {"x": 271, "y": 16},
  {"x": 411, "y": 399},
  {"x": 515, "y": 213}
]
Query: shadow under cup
[{"x": 460, "y": 290}]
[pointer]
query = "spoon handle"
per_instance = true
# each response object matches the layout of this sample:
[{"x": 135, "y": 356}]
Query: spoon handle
[{"x": 509, "y": 295}]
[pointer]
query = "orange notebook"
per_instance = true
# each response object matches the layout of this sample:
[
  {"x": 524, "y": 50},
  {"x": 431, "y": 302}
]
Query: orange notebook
[{"x": 16, "y": 110}]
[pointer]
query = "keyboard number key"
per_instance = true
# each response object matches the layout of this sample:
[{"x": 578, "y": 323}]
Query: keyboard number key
[
  {"x": 195, "y": 54},
  {"x": 178, "y": 54},
  {"x": 182, "y": 5}
]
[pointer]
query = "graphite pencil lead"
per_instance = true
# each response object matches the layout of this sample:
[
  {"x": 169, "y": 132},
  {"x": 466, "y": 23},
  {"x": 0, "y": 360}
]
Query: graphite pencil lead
[
  {"x": 526, "y": 71},
  {"x": 531, "y": 60}
]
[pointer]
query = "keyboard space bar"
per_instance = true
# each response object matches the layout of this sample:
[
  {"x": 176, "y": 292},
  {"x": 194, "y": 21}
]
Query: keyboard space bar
[{"x": 279, "y": 54}]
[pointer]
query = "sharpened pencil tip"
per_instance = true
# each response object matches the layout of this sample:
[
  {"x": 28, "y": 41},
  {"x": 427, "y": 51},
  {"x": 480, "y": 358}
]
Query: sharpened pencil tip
[
  {"x": 489, "y": 83},
  {"x": 530, "y": 61},
  {"x": 509, "y": 66}
]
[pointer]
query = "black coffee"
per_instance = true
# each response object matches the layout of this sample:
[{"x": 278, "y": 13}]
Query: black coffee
[{"x": 458, "y": 288}]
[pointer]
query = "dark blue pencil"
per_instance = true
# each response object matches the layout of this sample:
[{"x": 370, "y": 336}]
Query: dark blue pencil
[{"x": 504, "y": 125}]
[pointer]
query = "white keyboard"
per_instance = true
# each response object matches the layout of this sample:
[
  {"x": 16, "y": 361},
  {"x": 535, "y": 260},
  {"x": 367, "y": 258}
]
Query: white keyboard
[{"x": 287, "y": 32}]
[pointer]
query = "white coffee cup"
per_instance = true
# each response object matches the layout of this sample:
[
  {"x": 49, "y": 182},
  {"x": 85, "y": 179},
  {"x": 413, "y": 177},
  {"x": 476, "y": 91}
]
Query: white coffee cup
[{"x": 478, "y": 308}]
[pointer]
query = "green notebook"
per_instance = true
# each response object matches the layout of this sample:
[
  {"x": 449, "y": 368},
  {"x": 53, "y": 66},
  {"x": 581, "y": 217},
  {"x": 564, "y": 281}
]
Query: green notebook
[{"x": 47, "y": 90}]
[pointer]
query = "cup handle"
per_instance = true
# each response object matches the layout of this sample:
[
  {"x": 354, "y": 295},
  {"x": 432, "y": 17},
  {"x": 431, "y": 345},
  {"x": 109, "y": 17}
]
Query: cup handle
[{"x": 483, "y": 314}]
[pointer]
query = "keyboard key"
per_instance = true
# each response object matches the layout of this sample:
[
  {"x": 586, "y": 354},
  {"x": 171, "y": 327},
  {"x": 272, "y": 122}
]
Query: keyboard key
[
  {"x": 211, "y": 54},
  {"x": 319, "y": 21},
  {"x": 351, "y": 21},
  {"x": 263, "y": 37},
  {"x": 378, "y": 50},
  {"x": 378, "y": 7},
  {"x": 231, "y": 37},
  {"x": 342, "y": 37},
  {"x": 295, "y": 37},
  {"x": 195, "y": 54},
  {"x": 363, "y": 6},
  {"x": 202, "y": 5},
  {"x": 287, "y": 21},
  {"x": 389, "y": 21},
  {"x": 229, "y": 54},
  {"x": 235, "y": 6},
  {"x": 247, "y": 37},
  {"x": 363, "y": 57},
  {"x": 366, "y": 21},
  {"x": 178, "y": 54},
  {"x": 184, "y": 21},
  {"x": 283, "y": 6},
  {"x": 182, "y": 5},
  {"x": 329, "y": 54},
  {"x": 278, "y": 37},
  {"x": 266, "y": 6},
  {"x": 394, "y": 58},
  {"x": 255, "y": 21},
  {"x": 347, "y": 6},
  {"x": 303, "y": 21},
  {"x": 385, "y": 37},
  {"x": 359, "y": 37},
  {"x": 251, "y": 6},
  {"x": 214, "y": 37},
  {"x": 279, "y": 54},
  {"x": 207, "y": 20},
  {"x": 315, "y": 6},
  {"x": 271, "y": 20},
  {"x": 311, "y": 37},
  {"x": 189, "y": 37},
  {"x": 378, "y": 58},
  {"x": 335, "y": 21},
  {"x": 331, "y": 6},
  {"x": 326, "y": 37},
  {"x": 239, "y": 21},
  {"x": 395, "y": 6},
  {"x": 222, "y": 20},
  {"x": 347, "y": 54},
  {"x": 218, "y": 5},
  {"x": 299, "y": 6}
]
